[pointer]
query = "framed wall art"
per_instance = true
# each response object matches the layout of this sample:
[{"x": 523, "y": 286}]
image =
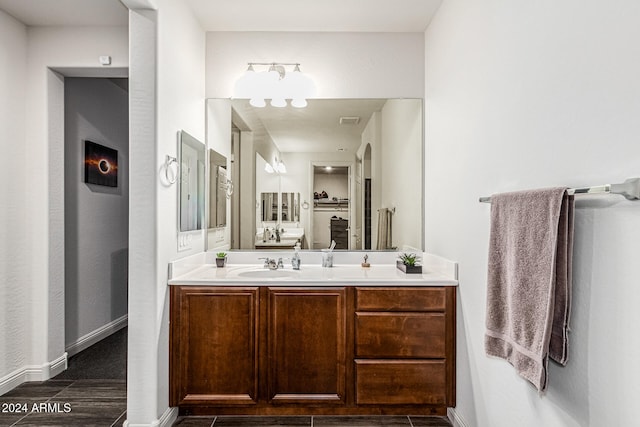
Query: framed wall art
[{"x": 100, "y": 164}]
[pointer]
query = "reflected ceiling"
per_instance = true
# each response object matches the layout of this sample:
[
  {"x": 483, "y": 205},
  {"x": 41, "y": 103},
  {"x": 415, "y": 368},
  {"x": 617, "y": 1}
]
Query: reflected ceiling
[{"x": 318, "y": 124}]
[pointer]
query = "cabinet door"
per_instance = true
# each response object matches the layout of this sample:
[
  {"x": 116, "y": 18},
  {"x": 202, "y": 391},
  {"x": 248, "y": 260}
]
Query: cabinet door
[
  {"x": 214, "y": 337},
  {"x": 307, "y": 345}
]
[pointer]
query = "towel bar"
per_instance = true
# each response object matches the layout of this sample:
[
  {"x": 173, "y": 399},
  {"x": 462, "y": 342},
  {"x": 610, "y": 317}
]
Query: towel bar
[{"x": 629, "y": 189}]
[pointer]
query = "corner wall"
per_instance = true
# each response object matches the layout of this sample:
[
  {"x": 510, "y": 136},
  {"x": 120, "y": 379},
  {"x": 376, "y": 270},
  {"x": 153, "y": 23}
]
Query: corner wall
[
  {"x": 14, "y": 260},
  {"x": 167, "y": 94},
  {"x": 524, "y": 95}
]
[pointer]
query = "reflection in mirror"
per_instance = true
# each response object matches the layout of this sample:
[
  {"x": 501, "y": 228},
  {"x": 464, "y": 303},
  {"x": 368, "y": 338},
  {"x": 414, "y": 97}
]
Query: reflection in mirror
[
  {"x": 269, "y": 207},
  {"x": 218, "y": 188},
  {"x": 191, "y": 190},
  {"x": 376, "y": 143},
  {"x": 290, "y": 207}
]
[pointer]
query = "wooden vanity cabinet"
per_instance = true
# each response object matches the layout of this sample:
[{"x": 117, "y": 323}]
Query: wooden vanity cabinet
[{"x": 338, "y": 350}]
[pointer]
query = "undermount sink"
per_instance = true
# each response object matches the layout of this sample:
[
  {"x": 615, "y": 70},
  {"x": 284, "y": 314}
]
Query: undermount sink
[{"x": 269, "y": 274}]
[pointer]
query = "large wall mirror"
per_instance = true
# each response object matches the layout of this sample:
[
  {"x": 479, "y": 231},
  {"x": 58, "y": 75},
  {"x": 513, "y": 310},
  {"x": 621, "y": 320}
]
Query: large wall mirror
[
  {"x": 191, "y": 191},
  {"x": 349, "y": 170}
]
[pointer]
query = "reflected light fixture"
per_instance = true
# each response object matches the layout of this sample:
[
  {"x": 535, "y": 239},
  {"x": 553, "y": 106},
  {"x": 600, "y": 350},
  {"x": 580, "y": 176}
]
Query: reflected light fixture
[
  {"x": 276, "y": 84},
  {"x": 281, "y": 167},
  {"x": 268, "y": 168},
  {"x": 277, "y": 167}
]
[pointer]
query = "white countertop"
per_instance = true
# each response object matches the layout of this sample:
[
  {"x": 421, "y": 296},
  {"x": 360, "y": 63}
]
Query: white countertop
[{"x": 339, "y": 274}]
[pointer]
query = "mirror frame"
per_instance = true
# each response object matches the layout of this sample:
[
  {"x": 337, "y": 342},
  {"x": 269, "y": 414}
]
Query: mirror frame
[{"x": 185, "y": 139}]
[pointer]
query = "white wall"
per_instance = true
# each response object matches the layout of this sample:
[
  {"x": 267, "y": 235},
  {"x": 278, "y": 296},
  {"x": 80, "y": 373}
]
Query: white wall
[
  {"x": 14, "y": 262},
  {"x": 167, "y": 94},
  {"x": 343, "y": 65},
  {"x": 96, "y": 217},
  {"x": 520, "y": 95},
  {"x": 401, "y": 171}
]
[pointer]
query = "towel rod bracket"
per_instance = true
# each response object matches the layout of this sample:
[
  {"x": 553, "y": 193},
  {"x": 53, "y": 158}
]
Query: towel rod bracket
[{"x": 630, "y": 189}]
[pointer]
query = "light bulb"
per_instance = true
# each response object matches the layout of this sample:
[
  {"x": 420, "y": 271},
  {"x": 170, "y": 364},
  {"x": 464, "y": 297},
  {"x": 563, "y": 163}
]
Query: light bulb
[
  {"x": 257, "y": 102},
  {"x": 299, "y": 102}
]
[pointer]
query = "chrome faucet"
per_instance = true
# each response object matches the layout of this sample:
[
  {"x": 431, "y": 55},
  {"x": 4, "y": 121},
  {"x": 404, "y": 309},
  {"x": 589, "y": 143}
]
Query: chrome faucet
[{"x": 271, "y": 263}]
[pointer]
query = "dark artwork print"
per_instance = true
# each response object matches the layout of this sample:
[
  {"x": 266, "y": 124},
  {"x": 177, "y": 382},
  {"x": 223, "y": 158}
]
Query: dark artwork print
[{"x": 100, "y": 165}]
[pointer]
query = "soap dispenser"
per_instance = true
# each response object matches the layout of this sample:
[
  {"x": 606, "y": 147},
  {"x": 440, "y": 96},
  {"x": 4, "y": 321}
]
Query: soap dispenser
[{"x": 295, "y": 261}]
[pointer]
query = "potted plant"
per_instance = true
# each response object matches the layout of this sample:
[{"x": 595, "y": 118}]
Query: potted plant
[
  {"x": 221, "y": 259},
  {"x": 408, "y": 263}
]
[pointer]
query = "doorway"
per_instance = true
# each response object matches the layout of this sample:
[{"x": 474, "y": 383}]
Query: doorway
[
  {"x": 96, "y": 211},
  {"x": 331, "y": 206}
]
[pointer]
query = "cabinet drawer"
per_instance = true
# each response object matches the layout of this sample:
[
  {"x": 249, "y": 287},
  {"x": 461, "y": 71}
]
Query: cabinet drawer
[
  {"x": 389, "y": 335},
  {"x": 401, "y": 299},
  {"x": 406, "y": 382}
]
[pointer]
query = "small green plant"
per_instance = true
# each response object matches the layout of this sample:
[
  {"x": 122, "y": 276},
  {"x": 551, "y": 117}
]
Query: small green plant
[
  {"x": 221, "y": 255},
  {"x": 409, "y": 259}
]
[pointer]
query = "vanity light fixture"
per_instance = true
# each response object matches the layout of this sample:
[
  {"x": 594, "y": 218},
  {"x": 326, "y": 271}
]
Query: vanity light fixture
[{"x": 274, "y": 83}]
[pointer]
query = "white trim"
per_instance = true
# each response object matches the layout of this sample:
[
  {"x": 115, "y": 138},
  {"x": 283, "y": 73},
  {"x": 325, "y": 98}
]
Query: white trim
[
  {"x": 455, "y": 418},
  {"x": 166, "y": 420},
  {"x": 99, "y": 334},
  {"x": 140, "y": 4},
  {"x": 33, "y": 373}
]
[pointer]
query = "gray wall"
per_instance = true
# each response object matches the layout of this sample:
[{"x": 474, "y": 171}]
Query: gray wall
[{"x": 96, "y": 217}]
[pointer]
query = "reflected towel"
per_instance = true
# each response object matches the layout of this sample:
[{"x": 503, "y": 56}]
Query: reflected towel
[
  {"x": 384, "y": 229},
  {"x": 529, "y": 280}
]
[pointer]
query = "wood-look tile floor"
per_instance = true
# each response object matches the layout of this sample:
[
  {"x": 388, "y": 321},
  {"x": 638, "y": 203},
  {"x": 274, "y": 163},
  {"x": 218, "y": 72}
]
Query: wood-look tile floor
[
  {"x": 65, "y": 403},
  {"x": 68, "y": 403},
  {"x": 315, "y": 421}
]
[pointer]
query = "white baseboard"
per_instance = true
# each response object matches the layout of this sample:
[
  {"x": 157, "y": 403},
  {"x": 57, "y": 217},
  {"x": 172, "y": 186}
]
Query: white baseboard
[
  {"x": 99, "y": 334},
  {"x": 455, "y": 418},
  {"x": 166, "y": 420},
  {"x": 33, "y": 373}
]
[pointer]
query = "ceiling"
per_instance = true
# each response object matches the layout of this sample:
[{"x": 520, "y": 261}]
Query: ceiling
[
  {"x": 67, "y": 12},
  {"x": 244, "y": 15},
  {"x": 315, "y": 15}
]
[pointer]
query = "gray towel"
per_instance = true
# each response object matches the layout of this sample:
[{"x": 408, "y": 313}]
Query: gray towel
[
  {"x": 529, "y": 280},
  {"x": 384, "y": 229}
]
